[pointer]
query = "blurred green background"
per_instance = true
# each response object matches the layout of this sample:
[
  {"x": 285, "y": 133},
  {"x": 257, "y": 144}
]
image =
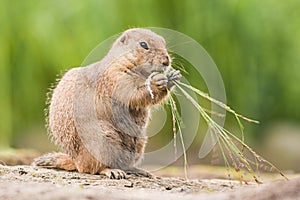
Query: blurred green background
[{"x": 255, "y": 45}]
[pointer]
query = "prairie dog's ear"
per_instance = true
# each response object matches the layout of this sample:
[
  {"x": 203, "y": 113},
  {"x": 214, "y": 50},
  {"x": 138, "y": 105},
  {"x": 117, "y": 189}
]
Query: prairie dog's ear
[{"x": 124, "y": 38}]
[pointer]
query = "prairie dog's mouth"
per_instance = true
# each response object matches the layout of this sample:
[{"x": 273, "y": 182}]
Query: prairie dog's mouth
[
  {"x": 161, "y": 69},
  {"x": 146, "y": 70},
  {"x": 158, "y": 71}
]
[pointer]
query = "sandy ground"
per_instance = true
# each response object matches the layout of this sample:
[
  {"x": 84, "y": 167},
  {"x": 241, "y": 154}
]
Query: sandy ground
[{"x": 27, "y": 182}]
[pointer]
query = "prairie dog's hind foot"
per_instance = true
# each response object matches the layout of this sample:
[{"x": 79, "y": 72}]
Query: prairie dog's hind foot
[
  {"x": 139, "y": 172},
  {"x": 113, "y": 173},
  {"x": 55, "y": 161}
]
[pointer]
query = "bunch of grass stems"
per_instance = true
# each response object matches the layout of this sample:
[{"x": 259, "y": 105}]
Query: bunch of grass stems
[{"x": 225, "y": 139}]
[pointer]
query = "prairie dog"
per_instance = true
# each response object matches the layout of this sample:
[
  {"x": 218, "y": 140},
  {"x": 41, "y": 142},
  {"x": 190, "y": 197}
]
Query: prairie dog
[{"x": 98, "y": 114}]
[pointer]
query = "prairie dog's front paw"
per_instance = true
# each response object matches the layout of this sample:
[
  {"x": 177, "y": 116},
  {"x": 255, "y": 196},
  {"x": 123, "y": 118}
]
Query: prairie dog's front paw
[
  {"x": 172, "y": 76},
  {"x": 160, "y": 80}
]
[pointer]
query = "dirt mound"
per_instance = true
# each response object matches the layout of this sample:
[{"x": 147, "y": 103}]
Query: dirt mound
[{"x": 27, "y": 182}]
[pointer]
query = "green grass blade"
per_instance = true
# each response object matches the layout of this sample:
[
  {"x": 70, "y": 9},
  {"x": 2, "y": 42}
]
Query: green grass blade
[{"x": 226, "y": 138}]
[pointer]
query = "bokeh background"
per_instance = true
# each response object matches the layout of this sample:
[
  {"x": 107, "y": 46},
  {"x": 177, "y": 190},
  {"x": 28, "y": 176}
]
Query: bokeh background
[{"x": 255, "y": 45}]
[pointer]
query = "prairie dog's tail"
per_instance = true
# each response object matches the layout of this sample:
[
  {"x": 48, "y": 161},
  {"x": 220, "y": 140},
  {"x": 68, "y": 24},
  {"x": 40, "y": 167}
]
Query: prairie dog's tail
[{"x": 55, "y": 160}]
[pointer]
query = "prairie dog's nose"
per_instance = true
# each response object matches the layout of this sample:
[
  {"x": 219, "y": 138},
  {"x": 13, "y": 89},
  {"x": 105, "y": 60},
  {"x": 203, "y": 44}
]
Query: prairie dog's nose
[{"x": 166, "y": 60}]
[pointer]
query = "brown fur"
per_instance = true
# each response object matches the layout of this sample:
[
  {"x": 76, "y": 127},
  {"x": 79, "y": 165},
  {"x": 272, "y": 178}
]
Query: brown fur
[{"x": 98, "y": 114}]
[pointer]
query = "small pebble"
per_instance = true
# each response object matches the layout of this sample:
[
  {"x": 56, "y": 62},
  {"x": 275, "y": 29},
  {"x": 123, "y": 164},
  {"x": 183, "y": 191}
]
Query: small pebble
[
  {"x": 129, "y": 185},
  {"x": 168, "y": 187},
  {"x": 22, "y": 172}
]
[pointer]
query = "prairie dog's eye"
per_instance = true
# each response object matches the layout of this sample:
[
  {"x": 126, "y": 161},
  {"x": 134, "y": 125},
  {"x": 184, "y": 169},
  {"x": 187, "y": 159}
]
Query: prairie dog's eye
[{"x": 144, "y": 45}]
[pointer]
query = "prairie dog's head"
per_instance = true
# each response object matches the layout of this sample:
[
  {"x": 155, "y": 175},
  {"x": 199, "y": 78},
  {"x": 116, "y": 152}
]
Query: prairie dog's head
[{"x": 145, "y": 49}]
